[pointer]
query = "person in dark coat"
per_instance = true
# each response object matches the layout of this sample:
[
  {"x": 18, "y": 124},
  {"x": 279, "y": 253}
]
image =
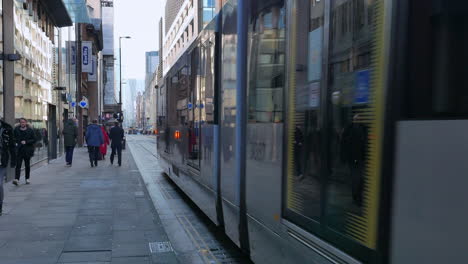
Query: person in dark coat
[
  {"x": 25, "y": 140},
  {"x": 355, "y": 139},
  {"x": 7, "y": 152},
  {"x": 94, "y": 139},
  {"x": 70, "y": 133},
  {"x": 116, "y": 136}
]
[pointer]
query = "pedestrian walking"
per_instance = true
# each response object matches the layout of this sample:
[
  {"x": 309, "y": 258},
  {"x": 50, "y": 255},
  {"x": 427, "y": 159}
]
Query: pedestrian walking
[
  {"x": 103, "y": 147},
  {"x": 70, "y": 133},
  {"x": 25, "y": 140},
  {"x": 116, "y": 136},
  {"x": 7, "y": 152},
  {"x": 94, "y": 139}
]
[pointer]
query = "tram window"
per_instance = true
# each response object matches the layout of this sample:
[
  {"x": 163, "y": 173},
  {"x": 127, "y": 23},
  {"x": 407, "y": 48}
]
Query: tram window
[
  {"x": 437, "y": 86},
  {"x": 351, "y": 115},
  {"x": 304, "y": 197},
  {"x": 330, "y": 178},
  {"x": 208, "y": 92},
  {"x": 266, "y": 80}
]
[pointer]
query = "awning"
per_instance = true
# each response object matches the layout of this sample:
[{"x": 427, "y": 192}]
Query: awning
[
  {"x": 78, "y": 11},
  {"x": 58, "y": 12}
]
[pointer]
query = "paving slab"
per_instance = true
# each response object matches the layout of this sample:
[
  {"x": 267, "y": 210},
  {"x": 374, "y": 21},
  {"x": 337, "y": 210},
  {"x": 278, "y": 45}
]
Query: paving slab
[{"x": 81, "y": 215}]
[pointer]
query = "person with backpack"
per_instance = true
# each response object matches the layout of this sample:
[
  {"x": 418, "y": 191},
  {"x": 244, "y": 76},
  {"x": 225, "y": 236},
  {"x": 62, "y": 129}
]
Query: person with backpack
[
  {"x": 70, "y": 133},
  {"x": 94, "y": 139},
  {"x": 25, "y": 140}
]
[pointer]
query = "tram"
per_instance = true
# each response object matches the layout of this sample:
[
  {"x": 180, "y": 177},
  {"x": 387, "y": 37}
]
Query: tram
[{"x": 345, "y": 143}]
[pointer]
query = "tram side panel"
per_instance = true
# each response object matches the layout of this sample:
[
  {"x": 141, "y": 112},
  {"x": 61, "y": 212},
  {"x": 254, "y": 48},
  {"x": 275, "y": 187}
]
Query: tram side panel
[
  {"x": 229, "y": 183},
  {"x": 264, "y": 168}
]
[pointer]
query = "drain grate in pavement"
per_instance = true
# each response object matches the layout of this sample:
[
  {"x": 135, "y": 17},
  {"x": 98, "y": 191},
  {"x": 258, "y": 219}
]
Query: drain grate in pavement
[{"x": 160, "y": 247}]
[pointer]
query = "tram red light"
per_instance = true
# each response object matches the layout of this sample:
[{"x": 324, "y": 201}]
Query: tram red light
[{"x": 177, "y": 134}]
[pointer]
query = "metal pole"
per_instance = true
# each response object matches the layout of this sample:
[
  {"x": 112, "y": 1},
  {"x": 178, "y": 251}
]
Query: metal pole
[
  {"x": 120, "y": 57},
  {"x": 78, "y": 87},
  {"x": 241, "y": 117}
]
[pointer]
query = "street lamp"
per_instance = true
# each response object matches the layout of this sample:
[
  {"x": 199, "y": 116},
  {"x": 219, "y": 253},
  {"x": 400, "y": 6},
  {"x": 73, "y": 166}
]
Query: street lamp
[{"x": 120, "y": 57}]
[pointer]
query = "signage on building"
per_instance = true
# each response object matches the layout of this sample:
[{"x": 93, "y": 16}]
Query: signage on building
[
  {"x": 71, "y": 66},
  {"x": 84, "y": 102},
  {"x": 86, "y": 56},
  {"x": 361, "y": 95},
  {"x": 92, "y": 76}
]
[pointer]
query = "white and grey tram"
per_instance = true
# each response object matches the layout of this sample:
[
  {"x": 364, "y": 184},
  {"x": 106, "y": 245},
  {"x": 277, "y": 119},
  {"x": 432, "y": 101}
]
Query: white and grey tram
[{"x": 326, "y": 131}]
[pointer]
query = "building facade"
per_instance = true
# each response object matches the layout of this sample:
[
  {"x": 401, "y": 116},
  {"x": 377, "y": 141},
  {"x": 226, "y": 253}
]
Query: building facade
[
  {"x": 183, "y": 21},
  {"x": 36, "y": 70},
  {"x": 110, "y": 95}
]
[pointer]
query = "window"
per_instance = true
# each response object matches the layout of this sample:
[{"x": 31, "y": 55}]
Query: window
[
  {"x": 331, "y": 176},
  {"x": 208, "y": 11},
  {"x": 266, "y": 81},
  {"x": 436, "y": 83}
]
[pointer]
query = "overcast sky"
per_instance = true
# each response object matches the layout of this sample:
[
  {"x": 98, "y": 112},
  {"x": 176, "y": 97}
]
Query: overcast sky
[{"x": 138, "y": 19}]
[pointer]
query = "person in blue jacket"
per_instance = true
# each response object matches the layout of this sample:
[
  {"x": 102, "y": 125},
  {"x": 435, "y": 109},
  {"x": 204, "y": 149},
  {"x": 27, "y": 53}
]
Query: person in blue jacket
[{"x": 94, "y": 139}]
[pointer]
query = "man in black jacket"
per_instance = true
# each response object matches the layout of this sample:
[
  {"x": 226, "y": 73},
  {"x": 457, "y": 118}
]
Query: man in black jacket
[
  {"x": 116, "y": 136},
  {"x": 7, "y": 152},
  {"x": 25, "y": 139}
]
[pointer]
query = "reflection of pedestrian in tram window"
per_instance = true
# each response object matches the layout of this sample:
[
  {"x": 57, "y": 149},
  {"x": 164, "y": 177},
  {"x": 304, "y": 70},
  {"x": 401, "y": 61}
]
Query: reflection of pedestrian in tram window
[
  {"x": 355, "y": 138},
  {"x": 298, "y": 147}
]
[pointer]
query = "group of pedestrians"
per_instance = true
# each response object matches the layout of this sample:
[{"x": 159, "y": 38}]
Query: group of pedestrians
[
  {"x": 97, "y": 140},
  {"x": 17, "y": 145}
]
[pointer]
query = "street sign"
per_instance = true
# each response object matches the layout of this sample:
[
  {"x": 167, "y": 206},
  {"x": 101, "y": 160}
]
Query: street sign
[
  {"x": 83, "y": 104},
  {"x": 73, "y": 104}
]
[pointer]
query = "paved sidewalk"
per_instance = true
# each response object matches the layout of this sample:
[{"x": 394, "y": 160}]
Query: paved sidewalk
[{"x": 82, "y": 215}]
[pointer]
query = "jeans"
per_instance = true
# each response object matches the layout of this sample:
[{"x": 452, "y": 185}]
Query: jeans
[
  {"x": 117, "y": 149},
  {"x": 2, "y": 180},
  {"x": 27, "y": 166},
  {"x": 93, "y": 154},
  {"x": 69, "y": 154}
]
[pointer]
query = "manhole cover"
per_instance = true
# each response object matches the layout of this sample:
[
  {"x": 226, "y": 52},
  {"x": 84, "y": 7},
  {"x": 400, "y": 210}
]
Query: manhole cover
[{"x": 160, "y": 247}]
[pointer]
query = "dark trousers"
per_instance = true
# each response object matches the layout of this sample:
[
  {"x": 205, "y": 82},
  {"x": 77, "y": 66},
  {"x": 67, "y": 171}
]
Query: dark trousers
[
  {"x": 2, "y": 180},
  {"x": 69, "y": 154},
  {"x": 357, "y": 181},
  {"x": 117, "y": 149},
  {"x": 93, "y": 154},
  {"x": 27, "y": 166}
]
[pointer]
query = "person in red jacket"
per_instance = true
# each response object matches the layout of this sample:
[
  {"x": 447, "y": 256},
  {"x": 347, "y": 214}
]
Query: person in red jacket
[{"x": 103, "y": 147}]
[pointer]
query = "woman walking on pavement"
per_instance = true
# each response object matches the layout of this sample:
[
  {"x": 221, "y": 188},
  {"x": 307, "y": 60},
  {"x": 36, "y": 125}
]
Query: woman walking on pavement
[
  {"x": 103, "y": 147},
  {"x": 25, "y": 139},
  {"x": 94, "y": 139},
  {"x": 70, "y": 133}
]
